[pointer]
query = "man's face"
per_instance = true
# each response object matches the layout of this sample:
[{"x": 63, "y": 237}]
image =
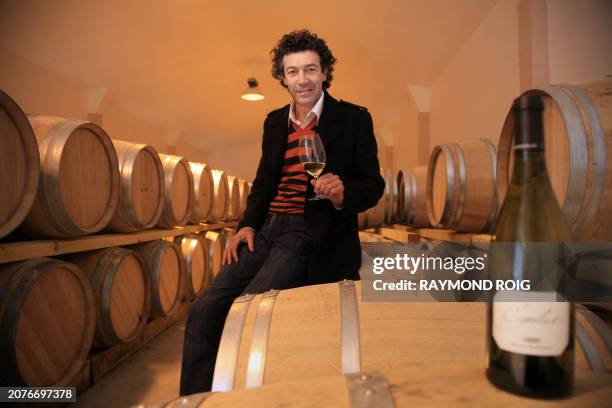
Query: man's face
[{"x": 303, "y": 76}]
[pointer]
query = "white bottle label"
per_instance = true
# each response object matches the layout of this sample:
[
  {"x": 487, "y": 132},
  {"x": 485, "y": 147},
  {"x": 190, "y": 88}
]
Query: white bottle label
[{"x": 531, "y": 328}]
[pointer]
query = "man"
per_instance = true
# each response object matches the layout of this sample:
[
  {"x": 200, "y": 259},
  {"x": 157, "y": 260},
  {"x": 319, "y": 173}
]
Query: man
[{"x": 284, "y": 240}]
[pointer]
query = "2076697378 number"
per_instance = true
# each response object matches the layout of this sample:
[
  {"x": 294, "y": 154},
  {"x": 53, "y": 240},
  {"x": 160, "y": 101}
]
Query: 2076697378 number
[{"x": 37, "y": 394}]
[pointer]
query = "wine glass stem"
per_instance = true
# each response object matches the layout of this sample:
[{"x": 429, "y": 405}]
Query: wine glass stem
[{"x": 317, "y": 196}]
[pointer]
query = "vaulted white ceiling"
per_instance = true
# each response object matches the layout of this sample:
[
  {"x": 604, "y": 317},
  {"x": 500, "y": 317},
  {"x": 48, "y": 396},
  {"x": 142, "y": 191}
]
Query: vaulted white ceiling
[{"x": 183, "y": 64}]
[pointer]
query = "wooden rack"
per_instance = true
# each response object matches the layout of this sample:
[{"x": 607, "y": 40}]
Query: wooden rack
[
  {"x": 19, "y": 251},
  {"x": 406, "y": 234}
]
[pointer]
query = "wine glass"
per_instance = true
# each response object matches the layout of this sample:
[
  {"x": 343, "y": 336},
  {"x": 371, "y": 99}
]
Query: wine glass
[{"x": 312, "y": 157}]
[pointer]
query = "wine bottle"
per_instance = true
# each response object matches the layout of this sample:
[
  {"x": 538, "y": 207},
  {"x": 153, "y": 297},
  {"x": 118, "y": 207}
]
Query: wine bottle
[{"x": 530, "y": 335}]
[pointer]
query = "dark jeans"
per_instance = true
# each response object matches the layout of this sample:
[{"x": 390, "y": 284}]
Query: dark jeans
[{"x": 282, "y": 250}]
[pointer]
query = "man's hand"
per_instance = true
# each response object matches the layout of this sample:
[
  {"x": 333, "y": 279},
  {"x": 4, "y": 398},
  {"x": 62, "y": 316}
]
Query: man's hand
[
  {"x": 332, "y": 187},
  {"x": 231, "y": 251}
]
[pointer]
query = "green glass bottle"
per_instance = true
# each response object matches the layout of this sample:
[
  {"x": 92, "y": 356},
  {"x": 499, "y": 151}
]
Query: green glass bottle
[{"x": 530, "y": 335}]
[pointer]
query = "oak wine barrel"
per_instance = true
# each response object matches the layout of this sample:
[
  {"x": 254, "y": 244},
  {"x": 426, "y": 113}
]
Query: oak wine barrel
[
  {"x": 262, "y": 344},
  {"x": 178, "y": 192},
  {"x": 594, "y": 337},
  {"x": 203, "y": 192},
  {"x": 233, "y": 209},
  {"x": 141, "y": 195},
  {"x": 216, "y": 246},
  {"x": 463, "y": 385},
  {"x": 462, "y": 186},
  {"x": 197, "y": 264},
  {"x": 390, "y": 196},
  {"x": 79, "y": 179},
  {"x": 578, "y": 145},
  {"x": 122, "y": 288},
  {"x": 337, "y": 338},
  {"x": 221, "y": 194},
  {"x": 243, "y": 188},
  {"x": 412, "y": 197},
  {"x": 19, "y": 165},
  {"x": 165, "y": 263},
  {"x": 47, "y": 321}
]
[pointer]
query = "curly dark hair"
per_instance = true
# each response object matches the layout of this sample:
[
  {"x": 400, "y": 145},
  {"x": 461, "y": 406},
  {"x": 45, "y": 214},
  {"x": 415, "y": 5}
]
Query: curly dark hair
[{"x": 302, "y": 40}]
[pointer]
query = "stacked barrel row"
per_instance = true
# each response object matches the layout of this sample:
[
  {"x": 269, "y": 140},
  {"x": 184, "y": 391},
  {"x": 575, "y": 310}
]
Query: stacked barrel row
[
  {"x": 464, "y": 184},
  {"x": 53, "y": 311},
  {"x": 67, "y": 178}
]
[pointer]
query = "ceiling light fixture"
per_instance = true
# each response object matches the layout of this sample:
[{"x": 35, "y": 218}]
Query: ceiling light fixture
[{"x": 252, "y": 92}]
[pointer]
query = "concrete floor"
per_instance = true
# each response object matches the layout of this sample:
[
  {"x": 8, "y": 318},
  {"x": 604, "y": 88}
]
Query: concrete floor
[{"x": 150, "y": 376}]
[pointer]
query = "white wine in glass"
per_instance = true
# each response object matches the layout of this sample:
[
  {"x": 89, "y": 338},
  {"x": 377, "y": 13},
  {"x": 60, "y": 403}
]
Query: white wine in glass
[{"x": 312, "y": 157}]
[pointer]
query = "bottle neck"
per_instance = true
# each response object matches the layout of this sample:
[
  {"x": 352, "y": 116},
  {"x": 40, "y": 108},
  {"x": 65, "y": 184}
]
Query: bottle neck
[
  {"x": 528, "y": 164},
  {"x": 528, "y": 148}
]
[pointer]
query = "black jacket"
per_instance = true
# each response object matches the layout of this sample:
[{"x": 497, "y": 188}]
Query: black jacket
[{"x": 350, "y": 146}]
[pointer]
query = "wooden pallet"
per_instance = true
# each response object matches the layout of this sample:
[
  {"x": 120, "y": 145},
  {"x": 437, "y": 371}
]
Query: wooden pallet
[
  {"x": 371, "y": 237},
  {"x": 19, "y": 251},
  {"x": 401, "y": 227},
  {"x": 399, "y": 235},
  {"x": 454, "y": 236}
]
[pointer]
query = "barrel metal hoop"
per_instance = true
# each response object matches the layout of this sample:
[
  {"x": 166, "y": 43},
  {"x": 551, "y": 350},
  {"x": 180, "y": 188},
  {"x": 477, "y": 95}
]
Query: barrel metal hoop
[
  {"x": 589, "y": 349},
  {"x": 602, "y": 329},
  {"x": 391, "y": 199},
  {"x": 259, "y": 341},
  {"x": 127, "y": 170},
  {"x": 401, "y": 200},
  {"x": 577, "y": 175},
  {"x": 211, "y": 190},
  {"x": 192, "y": 401},
  {"x": 450, "y": 186},
  {"x": 220, "y": 188},
  {"x": 504, "y": 151},
  {"x": 225, "y": 186},
  {"x": 156, "y": 259},
  {"x": 369, "y": 389},
  {"x": 189, "y": 263},
  {"x": 461, "y": 168},
  {"x": 599, "y": 159},
  {"x": 211, "y": 252},
  {"x": 227, "y": 356},
  {"x": 407, "y": 193},
  {"x": 208, "y": 277},
  {"x": 196, "y": 211},
  {"x": 351, "y": 347},
  {"x": 111, "y": 266},
  {"x": 494, "y": 200},
  {"x": 168, "y": 216},
  {"x": 181, "y": 275},
  {"x": 386, "y": 195},
  {"x": 51, "y": 189},
  {"x": 411, "y": 212},
  {"x": 160, "y": 183}
]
